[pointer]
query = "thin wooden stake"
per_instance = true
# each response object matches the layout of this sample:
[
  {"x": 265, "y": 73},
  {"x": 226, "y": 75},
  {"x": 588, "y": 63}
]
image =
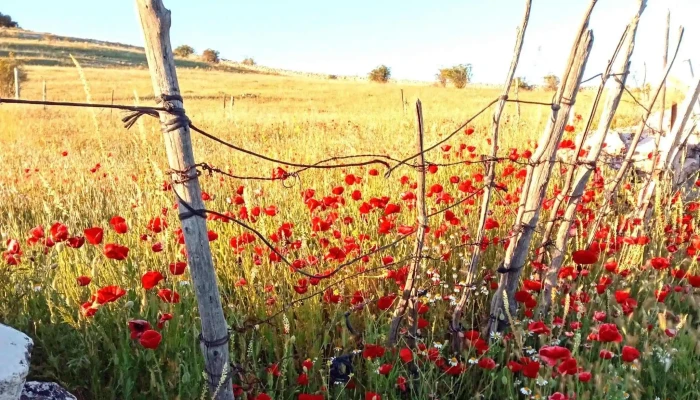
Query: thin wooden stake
[
  {"x": 110, "y": 110},
  {"x": 43, "y": 92},
  {"x": 403, "y": 103},
  {"x": 155, "y": 22},
  {"x": 667, "y": 33},
  {"x": 407, "y": 303},
  {"x": 17, "y": 84},
  {"x": 457, "y": 335}
]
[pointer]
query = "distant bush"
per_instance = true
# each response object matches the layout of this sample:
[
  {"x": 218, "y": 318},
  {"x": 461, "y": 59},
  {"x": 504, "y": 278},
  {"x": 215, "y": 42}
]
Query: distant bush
[
  {"x": 522, "y": 83},
  {"x": 459, "y": 75},
  {"x": 551, "y": 82},
  {"x": 210, "y": 55},
  {"x": 7, "y": 22},
  {"x": 333, "y": 77},
  {"x": 380, "y": 74},
  {"x": 184, "y": 51},
  {"x": 7, "y": 75},
  {"x": 248, "y": 61}
]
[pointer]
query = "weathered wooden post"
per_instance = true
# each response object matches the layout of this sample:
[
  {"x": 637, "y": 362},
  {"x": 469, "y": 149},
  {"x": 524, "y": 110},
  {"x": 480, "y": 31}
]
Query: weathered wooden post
[
  {"x": 43, "y": 92},
  {"x": 575, "y": 186},
  {"x": 537, "y": 179},
  {"x": 457, "y": 337},
  {"x": 155, "y": 22},
  {"x": 407, "y": 302},
  {"x": 17, "y": 84}
]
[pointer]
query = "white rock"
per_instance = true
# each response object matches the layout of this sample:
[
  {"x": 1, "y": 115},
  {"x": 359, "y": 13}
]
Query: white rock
[
  {"x": 45, "y": 391},
  {"x": 15, "y": 353}
]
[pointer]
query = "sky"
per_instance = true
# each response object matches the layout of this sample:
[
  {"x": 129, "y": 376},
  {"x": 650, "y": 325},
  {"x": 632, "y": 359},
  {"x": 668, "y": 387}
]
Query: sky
[{"x": 413, "y": 37}]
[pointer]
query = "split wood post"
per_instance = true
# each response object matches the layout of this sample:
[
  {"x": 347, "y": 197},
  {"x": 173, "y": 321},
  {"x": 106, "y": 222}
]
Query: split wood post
[
  {"x": 17, "y": 84},
  {"x": 612, "y": 187},
  {"x": 407, "y": 303},
  {"x": 517, "y": 98},
  {"x": 403, "y": 103},
  {"x": 537, "y": 179},
  {"x": 155, "y": 22},
  {"x": 584, "y": 172},
  {"x": 545, "y": 241},
  {"x": 667, "y": 152},
  {"x": 456, "y": 329}
]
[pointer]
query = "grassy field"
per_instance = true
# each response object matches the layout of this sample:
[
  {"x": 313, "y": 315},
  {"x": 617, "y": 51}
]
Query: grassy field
[{"x": 81, "y": 168}]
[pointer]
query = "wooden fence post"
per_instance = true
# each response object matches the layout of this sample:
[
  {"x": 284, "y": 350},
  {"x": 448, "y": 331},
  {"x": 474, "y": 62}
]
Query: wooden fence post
[
  {"x": 457, "y": 334},
  {"x": 575, "y": 187},
  {"x": 155, "y": 22},
  {"x": 407, "y": 302},
  {"x": 17, "y": 84},
  {"x": 611, "y": 188},
  {"x": 537, "y": 179},
  {"x": 43, "y": 92}
]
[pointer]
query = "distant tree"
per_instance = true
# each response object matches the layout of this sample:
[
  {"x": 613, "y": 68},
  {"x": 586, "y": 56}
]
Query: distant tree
[
  {"x": 7, "y": 22},
  {"x": 7, "y": 75},
  {"x": 551, "y": 82},
  {"x": 459, "y": 75},
  {"x": 184, "y": 51},
  {"x": 248, "y": 61},
  {"x": 522, "y": 83},
  {"x": 210, "y": 55},
  {"x": 380, "y": 74}
]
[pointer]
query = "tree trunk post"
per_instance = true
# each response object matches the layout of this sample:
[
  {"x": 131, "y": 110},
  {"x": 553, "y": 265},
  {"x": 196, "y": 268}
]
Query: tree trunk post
[
  {"x": 457, "y": 334},
  {"x": 408, "y": 297},
  {"x": 155, "y": 22}
]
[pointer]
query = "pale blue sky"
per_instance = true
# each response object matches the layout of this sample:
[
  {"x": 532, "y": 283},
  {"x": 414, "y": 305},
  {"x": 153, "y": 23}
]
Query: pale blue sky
[{"x": 413, "y": 37}]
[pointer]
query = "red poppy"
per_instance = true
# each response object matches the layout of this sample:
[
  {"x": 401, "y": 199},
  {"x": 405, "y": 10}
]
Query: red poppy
[
  {"x": 584, "y": 376},
  {"x": 385, "y": 302},
  {"x": 606, "y": 355},
  {"x": 558, "y": 396},
  {"x": 538, "y": 328},
  {"x": 385, "y": 369},
  {"x": 163, "y": 318},
  {"x": 609, "y": 333},
  {"x": 585, "y": 257},
  {"x": 150, "y": 339},
  {"x": 118, "y": 224},
  {"x": 59, "y": 232},
  {"x": 694, "y": 280},
  {"x": 551, "y": 354},
  {"x": 94, "y": 235},
  {"x": 137, "y": 327},
  {"x": 76, "y": 242},
  {"x": 372, "y": 396},
  {"x": 629, "y": 354},
  {"x": 150, "y": 279},
  {"x": 372, "y": 351},
  {"x": 491, "y": 224},
  {"x": 263, "y": 396},
  {"x": 109, "y": 294},
  {"x": 178, "y": 268},
  {"x": 406, "y": 354},
  {"x": 157, "y": 224},
  {"x": 568, "y": 367},
  {"x": 116, "y": 252},
  {"x": 531, "y": 368},
  {"x": 392, "y": 209},
  {"x": 169, "y": 296},
  {"x": 660, "y": 263},
  {"x": 303, "y": 380},
  {"x": 84, "y": 280},
  {"x": 487, "y": 363}
]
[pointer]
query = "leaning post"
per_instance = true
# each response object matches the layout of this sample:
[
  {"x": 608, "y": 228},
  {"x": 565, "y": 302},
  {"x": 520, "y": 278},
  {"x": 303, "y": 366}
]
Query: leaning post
[{"x": 214, "y": 339}]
